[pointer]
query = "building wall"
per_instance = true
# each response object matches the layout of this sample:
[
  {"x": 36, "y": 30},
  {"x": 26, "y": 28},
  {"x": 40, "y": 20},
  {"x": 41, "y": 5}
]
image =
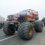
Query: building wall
[{"x": 2, "y": 19}]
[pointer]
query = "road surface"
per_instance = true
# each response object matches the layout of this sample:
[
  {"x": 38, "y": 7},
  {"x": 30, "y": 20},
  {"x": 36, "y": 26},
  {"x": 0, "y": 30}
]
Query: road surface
[{"x": 38, "y": 39}]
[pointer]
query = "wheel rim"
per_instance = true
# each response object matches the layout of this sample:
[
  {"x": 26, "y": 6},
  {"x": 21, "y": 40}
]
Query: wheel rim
[
  {"x": 30, "y": 32},
  {"x": 11, "y": 30}
]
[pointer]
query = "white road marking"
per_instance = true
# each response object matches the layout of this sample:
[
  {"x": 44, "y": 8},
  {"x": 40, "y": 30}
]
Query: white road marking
[{"x": 7, "y": 38}]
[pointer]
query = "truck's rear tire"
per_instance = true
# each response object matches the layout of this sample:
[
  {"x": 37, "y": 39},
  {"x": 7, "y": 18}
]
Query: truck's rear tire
[
  {"x": 25, "y": 30},
  {"x": 8, "y": 29},
  {"x": 38, "y": 26}
]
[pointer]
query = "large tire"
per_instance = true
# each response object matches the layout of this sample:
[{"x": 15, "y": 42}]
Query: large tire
[
  {"x": 8, "y": 29},
  {"x": 38, "y": 26},
  {"x": 25, "y": 30}
]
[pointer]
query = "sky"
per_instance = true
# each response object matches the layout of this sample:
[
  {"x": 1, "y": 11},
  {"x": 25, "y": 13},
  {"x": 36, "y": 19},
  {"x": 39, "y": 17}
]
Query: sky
[{"x": 8, "y": 7}]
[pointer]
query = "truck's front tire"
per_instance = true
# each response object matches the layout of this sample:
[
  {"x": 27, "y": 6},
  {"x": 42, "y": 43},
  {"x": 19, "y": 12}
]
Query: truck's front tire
[
  {"x": 8, "y": 29},
  {"x": 25, "y": 30}
]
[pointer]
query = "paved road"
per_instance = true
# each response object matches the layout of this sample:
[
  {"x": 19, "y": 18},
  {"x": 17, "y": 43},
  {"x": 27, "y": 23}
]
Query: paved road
[{"x": 38, "y": 39}]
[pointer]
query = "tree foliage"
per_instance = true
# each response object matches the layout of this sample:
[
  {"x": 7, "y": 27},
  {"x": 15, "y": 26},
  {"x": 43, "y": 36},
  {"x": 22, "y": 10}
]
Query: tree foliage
[{"x": 43, "y": 19}]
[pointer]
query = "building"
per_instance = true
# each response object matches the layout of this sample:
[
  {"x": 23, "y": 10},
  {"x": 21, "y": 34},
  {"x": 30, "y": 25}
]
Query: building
[
  {"x": 2, "y": 19},
  {"x": 1, "y": 22}
]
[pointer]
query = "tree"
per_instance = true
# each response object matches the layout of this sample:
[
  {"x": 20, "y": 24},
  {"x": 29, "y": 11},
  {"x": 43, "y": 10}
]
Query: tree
[{"x": 43, "y": 19}]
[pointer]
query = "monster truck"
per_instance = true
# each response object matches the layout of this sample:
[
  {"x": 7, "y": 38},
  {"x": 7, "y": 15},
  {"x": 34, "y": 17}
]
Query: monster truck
[{"x": 25, "y": 22}]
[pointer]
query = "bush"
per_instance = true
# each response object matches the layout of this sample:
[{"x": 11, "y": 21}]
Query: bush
[{"x": 1, "y": 25}]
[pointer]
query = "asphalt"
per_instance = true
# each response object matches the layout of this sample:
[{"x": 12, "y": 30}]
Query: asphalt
[{"x": 38, "y": 39}]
